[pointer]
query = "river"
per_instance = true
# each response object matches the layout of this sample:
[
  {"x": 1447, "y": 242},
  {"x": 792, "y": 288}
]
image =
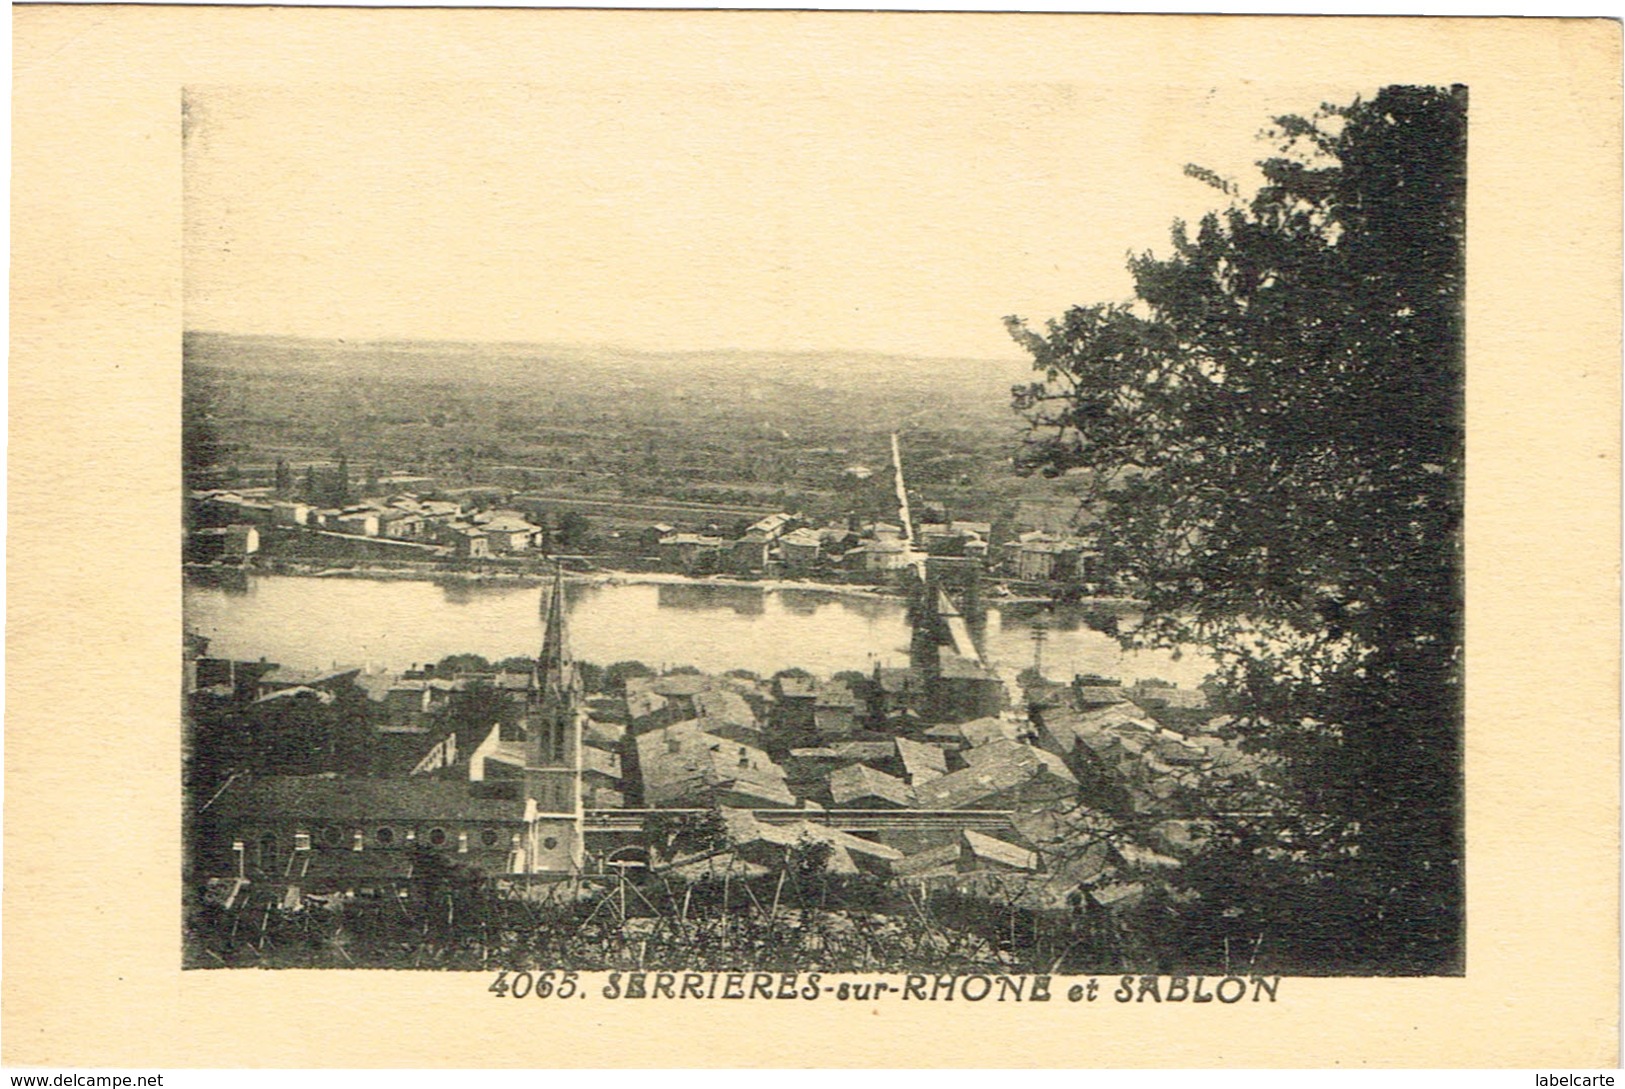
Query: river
[{"x": 394, "y": 624}]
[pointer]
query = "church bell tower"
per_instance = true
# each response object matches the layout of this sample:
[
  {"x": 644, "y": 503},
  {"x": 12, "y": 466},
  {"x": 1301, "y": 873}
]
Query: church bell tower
[{"x": 553, "y": 723}]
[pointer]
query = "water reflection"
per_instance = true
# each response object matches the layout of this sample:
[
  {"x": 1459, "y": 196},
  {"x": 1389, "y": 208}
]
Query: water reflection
[
  {"x": 310, "y": 623},
  {"x": 1067, "y": 617},
  {"x": 229, "y": 580},
  {"x": 468, "y": 591},
  {"x": 744, "y": 600},
  {"x": 802, "y": 602}
]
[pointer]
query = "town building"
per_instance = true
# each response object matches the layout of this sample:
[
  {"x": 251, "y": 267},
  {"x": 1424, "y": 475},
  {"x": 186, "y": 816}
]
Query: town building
[
  {"x": 837, "y": 711},
  {"x": 1048, "y": 557},
  {"x": 690, "y": 552},
  {"x": 921, "y": 762},
  {"x": 227, "y": 678},
  {"x": 880, "y": 556},
  {"x": 979, "y": 851},
  {"x": 402, "y": 525},
  {"x": 795, "y": 706},
  {"x": 225, "y": 544},
  {"x": 775, "y": 526},
  {"x": 969, "y": 852},
  {"x": 601, "y": 778},
  {"x": 322, "y": 833},
  {"x": 682, "y": 766},
  {"x": 218, "y": 507},
  {"x": 1011, "y": 776},
  {"x": 508, "y": 532},
  {"x": 955, "y": 538},
  {"x": 497, "y": 759},
  {"x": 750, "y": 554},
  {"x": 284, "y": 677},
  {"x": 358, "y": 522},
  {"x": 724, "y": 713},
  {"x": 979, "y": 731},
  {"x": 859, "y": 786},
  {"x": 287, "y": 513},
  {"x": 766, "y": 845},
  {"x": 469, "y": 543},
  {"x": 1155, "y": 695},
  {"x": 799, "y": 551},
  {"x": 1089, "y": 690}
]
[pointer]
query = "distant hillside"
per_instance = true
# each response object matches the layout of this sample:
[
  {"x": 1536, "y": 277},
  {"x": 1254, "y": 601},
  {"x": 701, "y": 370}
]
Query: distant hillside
[
  {"x": 714, "y": 426},
  {"x": 978, "y": 387}
]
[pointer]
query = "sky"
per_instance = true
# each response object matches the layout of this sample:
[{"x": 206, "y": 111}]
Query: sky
[{"x": 900, "y": 217}]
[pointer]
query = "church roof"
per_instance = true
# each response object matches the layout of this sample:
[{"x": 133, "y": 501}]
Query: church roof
[{"x": 323, "y": 798}]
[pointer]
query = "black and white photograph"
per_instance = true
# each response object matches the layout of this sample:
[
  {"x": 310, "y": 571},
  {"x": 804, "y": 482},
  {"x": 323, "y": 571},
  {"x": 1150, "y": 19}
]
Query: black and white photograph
[
  {"x": 805, "y": 544},
  {"x": 941, "y": 530}
]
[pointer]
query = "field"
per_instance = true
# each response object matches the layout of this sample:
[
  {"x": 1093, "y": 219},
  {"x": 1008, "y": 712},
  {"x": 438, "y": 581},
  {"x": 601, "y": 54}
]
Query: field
[{"x": 738, "y": 432}]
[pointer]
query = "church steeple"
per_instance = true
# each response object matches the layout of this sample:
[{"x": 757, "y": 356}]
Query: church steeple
[
  {"x": 555, "y": 671},
  {"x": 553, "y": 728}
]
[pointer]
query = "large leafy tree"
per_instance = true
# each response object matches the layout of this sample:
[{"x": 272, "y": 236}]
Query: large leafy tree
[{"x": 1276, "y": 426}]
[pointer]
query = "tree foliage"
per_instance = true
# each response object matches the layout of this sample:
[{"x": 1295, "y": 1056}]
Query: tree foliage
[
  {"x": 1277, "y": 424},
  {"x": 299, "y": 735},
  {"x": 452, "y": 898},
  {"x": 616, "y": 674},
  {"x": 202, "y": 446},
  {"x": 808, "y": 858},
  {"x": 453, "y": 664},
  {"x": 672, "y": 834},
  {"x": 574, "y": 530}
]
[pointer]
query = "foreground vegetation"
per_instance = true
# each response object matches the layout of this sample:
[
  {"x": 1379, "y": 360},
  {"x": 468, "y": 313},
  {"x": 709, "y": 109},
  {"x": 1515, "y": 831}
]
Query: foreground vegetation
[
  {"x": 1281, "y": 414},
  {"x": 796, "y": 919}
]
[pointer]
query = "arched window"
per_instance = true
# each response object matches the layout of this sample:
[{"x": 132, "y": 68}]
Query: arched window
[{"x": 268, "y": 851}]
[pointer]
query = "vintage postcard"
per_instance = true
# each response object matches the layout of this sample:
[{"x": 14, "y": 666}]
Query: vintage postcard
[{"x": 931, "y": 531}]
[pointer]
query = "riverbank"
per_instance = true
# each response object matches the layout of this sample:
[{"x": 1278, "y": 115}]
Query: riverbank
[
  {"x": 497, "y": 577},
  {"x": 525, "y": 578}
]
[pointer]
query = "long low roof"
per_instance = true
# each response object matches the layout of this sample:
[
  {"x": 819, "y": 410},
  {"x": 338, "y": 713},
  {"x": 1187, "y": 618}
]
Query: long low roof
[
  {"x": 320, "y": 798},
  {"x": 288, "y": 675}
]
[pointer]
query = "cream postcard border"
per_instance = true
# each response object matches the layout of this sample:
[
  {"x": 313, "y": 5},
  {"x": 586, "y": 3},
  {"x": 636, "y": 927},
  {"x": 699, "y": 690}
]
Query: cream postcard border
[{"x": 92, "y": 837}]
